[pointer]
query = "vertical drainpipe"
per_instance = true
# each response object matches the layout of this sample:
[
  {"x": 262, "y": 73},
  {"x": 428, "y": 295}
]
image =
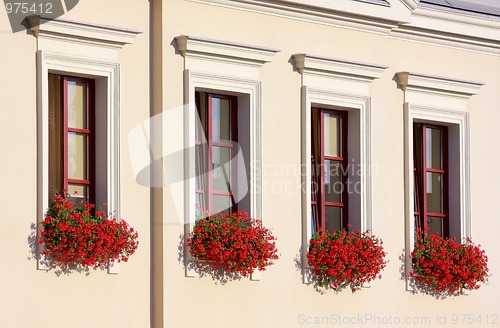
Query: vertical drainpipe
[{"x": 156, "y": 193}]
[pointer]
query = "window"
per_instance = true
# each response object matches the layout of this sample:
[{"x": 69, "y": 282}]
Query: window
[
  {"x": 72, "y": 137},
  {"x": 437, "y": 148},
  {"x": 431, "y": 178},
  {"x": 216, "y": 146},
  {"x": 340, "y": 91},
  {"x": 95, "y": 58},
  {"x": 329, "y": 197},
  {"x": 216, "y": 67}
]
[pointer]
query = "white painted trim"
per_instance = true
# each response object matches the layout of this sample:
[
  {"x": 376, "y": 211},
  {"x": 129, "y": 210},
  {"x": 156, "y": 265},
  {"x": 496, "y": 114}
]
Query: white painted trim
[
  {"x": 440, "y": 106},
  {"x": 410, "y": 4},
  {"x": 405, "y": 20},
  {"x": 338, "y": 67},
  {"x": 99, "y": 62},
  {"x": 455, "y": 30},
  {"x": 375, "y": 20},
  {"x": 437, "y": 84},
  {"x": 347, "y": 88},
  {"x": 71, "y": 31},
  {"x": 209, "y": 49},
  {"x": 208, "y": 72},
  {"x": 394, "y": 11}
]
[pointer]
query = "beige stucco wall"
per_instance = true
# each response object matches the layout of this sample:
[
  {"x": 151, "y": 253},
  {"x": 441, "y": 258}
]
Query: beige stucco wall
[
  {"x": 280, "y": 299},
  {"x": 31, "y": 297}
]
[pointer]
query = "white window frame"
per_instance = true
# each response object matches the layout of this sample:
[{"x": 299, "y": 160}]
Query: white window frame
[
  {"x": 204, "y": 60},
  {"x": 85, "y": 50},
  {"x": 342, "y": 85},
  {"x": 441, "y": 101}
]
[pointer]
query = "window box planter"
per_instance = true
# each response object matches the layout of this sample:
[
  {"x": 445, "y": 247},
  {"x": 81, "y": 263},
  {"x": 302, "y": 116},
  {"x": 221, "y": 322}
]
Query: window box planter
[
  {"x": 345, "y": 259},
  {"x": 74, "y": 237},
  {"x": 446, "y": 266},
  {"x": 233, "y": 243}
]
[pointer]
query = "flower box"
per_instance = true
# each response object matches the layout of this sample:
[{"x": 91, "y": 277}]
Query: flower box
[
  {"x": 233, "y": 243},
  {"x": 447, "y": 266},
  {"x": 345, "y": 259},
  {"x": 74, "y": 236}
]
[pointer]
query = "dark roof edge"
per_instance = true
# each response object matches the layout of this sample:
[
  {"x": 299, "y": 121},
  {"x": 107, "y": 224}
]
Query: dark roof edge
[
  {"x": 464, "y": 7},
  {"x": 377, "y": 2}
]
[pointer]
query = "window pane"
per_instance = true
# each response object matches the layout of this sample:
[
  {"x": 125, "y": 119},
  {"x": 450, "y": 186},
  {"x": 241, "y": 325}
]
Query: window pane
[
  {"x": 333, "y": 218},
  {"x": 77, "y": 156},
  {"x": 200, "y": 205},
  {"x": 315, "y": 122},
  {"x": 221, "y": 119},
  {"x": 417, "y": 222},
  {"x": 332, "y": 135},
  {"x": 55, "y": 133},
  {"x": 201, "y": 160},
  {"x": 435, "y": 224},
  {"x": 314, "y": 184},
  {"x": 78, "y": 192},
  {"x": 221, "y": 173},
  {"x": 77, "y": 105},
  {"x": 417, "y": 146},
  {"x": 201, "y": 128},
  {"x": 333, "y": 181},
  {"x": 433, "y": 148},
  {"x": 221, "y": 204},
  {"x": 313, "y": 219},
  {"x": 435, "y": 192},
  {"x": 416, "y": 197}
]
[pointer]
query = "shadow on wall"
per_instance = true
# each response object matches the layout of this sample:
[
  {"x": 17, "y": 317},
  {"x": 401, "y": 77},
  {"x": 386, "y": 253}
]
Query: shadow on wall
[
  {"x": 47, "y": 264},
  {"x": 203, "y": 269}
]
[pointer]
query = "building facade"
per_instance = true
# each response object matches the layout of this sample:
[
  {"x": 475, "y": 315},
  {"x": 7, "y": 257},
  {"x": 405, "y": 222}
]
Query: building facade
[{"x": 396, "y": 98}]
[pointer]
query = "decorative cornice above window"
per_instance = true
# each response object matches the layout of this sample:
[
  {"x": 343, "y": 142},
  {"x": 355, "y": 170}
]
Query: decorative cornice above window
[
  {"x": 337, "y": 67},
  {"x": 208, "y": 48},
  {"x": 94, "y": 34},
  {"x": 435, "y": 84}
]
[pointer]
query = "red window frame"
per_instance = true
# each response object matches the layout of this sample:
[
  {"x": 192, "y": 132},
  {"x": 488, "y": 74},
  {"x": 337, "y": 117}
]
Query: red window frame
[
  {"x": 318, "y": 157},
  {"x": 420, "y": 169},
  {"x": 89, "y": 133},
  {"x": 204, "y": 152}
]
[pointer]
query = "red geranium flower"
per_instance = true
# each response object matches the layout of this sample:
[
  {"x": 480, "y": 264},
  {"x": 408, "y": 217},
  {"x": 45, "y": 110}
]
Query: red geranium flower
[
  {"x": 72, "y": 235},
  {"x": 234, "y": 243},
  {"x": 343, "y": 259},
  {"x": 446, "y": 265}
]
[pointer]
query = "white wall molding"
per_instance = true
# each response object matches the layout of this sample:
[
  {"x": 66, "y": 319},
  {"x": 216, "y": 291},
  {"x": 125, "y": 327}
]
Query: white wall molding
[
  {"x": 204, "y": 48},
  {"x": 455, "y": 30},
  {"x": 72, "y": 32},
  {"x": 341, "y": 13},
  {"x": 338, "y": 67},
  {"x": 409, "y": 81},
  {"x": 411, "y": 4},
  {"x": 405, "y": 19}
]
